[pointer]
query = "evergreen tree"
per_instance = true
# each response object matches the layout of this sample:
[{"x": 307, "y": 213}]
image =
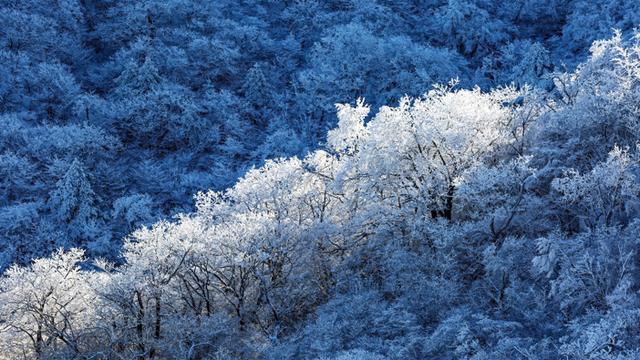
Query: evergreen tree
[{"x": 73, "y": 201}]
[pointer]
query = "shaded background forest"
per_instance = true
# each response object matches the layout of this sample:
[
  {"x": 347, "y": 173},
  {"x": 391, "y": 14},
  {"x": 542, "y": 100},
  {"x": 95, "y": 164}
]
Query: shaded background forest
[{"x": 114, "y": 113}]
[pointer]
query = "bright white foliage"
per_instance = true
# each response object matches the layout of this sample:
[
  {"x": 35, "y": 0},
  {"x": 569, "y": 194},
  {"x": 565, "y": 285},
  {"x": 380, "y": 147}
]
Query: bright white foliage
[
  {"x": 351, "y": 129},
  {"x": 418, "y": 152},
  {"x": 46, "y": 306}
]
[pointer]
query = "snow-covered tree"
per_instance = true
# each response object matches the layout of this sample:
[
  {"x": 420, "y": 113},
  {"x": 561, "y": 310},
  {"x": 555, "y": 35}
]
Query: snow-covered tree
[
  {"x": 73, "y": 203},
  {"x": 414, "y": 155},
  {"x": 607, "y": 195},
  {"x": 46, "y": 308}
]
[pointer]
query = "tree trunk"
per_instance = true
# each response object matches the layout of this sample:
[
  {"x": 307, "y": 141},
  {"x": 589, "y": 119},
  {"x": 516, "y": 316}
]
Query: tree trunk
[{"x": 140, "y": 327}]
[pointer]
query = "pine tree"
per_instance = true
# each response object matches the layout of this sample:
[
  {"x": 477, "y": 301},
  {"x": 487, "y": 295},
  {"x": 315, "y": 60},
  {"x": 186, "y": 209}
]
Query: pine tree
[
  {"x": 72, "y": 201},
  {"x": 138, "y": 78},
  {"x": 259, "y": 94}
]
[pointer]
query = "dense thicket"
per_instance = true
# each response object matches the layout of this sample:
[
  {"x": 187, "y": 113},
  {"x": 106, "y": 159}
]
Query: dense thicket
[
  {"x": 114, "y": 113},
  {"x": 492, "y": 216}
]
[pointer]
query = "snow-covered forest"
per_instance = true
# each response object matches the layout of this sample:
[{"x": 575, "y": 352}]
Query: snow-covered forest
[{"x": 319, "y": 179}]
